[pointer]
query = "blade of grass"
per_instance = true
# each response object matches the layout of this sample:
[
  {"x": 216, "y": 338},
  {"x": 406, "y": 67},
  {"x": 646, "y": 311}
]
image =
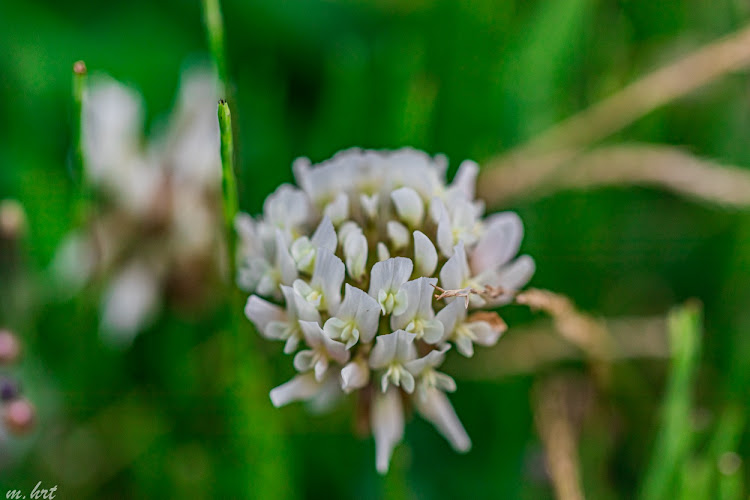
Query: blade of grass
[{"x": 675, "y": 436}]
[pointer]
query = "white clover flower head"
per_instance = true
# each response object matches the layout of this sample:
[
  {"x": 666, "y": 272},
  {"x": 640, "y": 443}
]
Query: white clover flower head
[{"x": 386, "y": 231}]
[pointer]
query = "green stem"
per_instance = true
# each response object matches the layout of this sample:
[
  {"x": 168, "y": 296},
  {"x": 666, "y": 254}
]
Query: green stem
[
  {"x": 79, "y": 88},
  {"x": 675, "y": 438},
  {"x": 215, "y": 32},
  {"x": 228, "y": 181}
]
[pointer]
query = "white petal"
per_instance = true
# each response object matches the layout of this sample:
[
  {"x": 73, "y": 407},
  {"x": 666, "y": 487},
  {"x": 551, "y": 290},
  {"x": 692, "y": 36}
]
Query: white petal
[
  {"x": 409, "y": 206},
  {"x": 301, "y": 168},
  {"x": 513, "y": 277},
  {"x": 297, "y": 307},
  {"x": 328, "y": 396},
  {"x": 465, "y": 346},
  {"x": 444, "y": 382},
  {"x": 369, "y": 205},
  {"x": 288, "y": 208},
  {"x": 445, "y": 233},
  {"x": 347, "y": 228},
  {"x": 291, "y": 344},
  {"x": 355, "y": 255},
  {"x": 320, "y": 369},
  {"x": 436, "y": 209},
  {"x": 484, "y": 333},
  {"x": 451, "y": 316},
  {"x": 355, "y": 375},
  {"x": 284, "y": 261},
  {"x": 418, "y": 302},
  {"x": 455, "y": 271},
  {"x": 314, "y": 335},
  {"x": 335, "y": 350},
  {"x": 303, "y": 252},
  {"x": 501, "y": 240},
  {"x": 407, "y": 381},
  {"x": 383, "y": 253},
  {"x": 432, "y": 331},
  {"x": 387, "y": 422},
  {"x": 389, "y": 275},
  {"x": 329, "y": 275},
  {"x": 437, "y": 409},
  {"x": 304, "y": 361},
  {"x": 393, "y": 347},
  {"x": 400, "y": 303},
  {"x": 311, "y": 295},
  {"x": 405, "y": 349},
  {"x": 431, "y": 360},
  {"x": 398, "y": 234},
  {"x": 516, "y": 274},
  {"x": 299, "y": 388},
  {"x": 363, "y": 309},
  {"x": 425, "y": 255},
  {"x": 325, "y": 235},
  {"x": 465, "y": 180},
  {"x": 334, "y": 328},
  {"x": 338, "y": 209},
  {"x": 262, "y": 312},
  {"x": 384, "y": 352}
]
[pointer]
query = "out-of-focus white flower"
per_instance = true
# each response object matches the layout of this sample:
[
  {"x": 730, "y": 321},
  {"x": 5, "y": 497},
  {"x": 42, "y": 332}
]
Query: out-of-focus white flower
[
  {"x": 161, "y": 204},
  {"x": 130, "y": 301},
  {"x": 385, "y": 226}
]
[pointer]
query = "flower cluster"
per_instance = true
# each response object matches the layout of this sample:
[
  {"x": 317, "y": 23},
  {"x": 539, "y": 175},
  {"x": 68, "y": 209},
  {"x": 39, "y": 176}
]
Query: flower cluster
[
  {"x": 154, "y": 237},
  {"x": 355, "y": 256}
]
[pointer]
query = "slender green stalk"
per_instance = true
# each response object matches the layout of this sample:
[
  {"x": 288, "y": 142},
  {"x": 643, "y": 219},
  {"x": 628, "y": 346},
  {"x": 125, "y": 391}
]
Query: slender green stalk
[
  {"x": 674, "y": 441},
  {"x": 215, "y": 32},
  {"x": 228, "y": 180},
  {"x": 79, "y": 88}
]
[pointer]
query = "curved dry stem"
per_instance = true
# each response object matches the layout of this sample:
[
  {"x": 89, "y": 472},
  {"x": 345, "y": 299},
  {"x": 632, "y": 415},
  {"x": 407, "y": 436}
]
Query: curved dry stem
[
  {"x": 532, "y": 348},
  {"x": 656, "y": 89},
  {"x": 666, "y": 167},
  {"x": 566, "y": 139},
  {"x": 582, "y": 330},
  {"x": 556, "y": 402}
]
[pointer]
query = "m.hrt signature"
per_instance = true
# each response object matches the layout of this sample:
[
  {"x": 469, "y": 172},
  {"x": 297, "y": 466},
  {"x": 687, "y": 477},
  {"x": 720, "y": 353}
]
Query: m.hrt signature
[{"x": 37, "y": 493}]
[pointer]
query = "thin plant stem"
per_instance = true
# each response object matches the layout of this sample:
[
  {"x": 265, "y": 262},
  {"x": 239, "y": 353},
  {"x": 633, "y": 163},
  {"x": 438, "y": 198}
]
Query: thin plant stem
[
  {"x": 552, "y": 413},
  {"x": 228, "y": 182},
  {"x": 655, "y": 165},
  {"x": 215, "y": 31},
  {"x": 79, "y": 89}
]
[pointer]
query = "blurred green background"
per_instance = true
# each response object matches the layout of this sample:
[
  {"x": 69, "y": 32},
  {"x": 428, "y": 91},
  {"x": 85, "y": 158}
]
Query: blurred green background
[{"x": 466, "y": 78}]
